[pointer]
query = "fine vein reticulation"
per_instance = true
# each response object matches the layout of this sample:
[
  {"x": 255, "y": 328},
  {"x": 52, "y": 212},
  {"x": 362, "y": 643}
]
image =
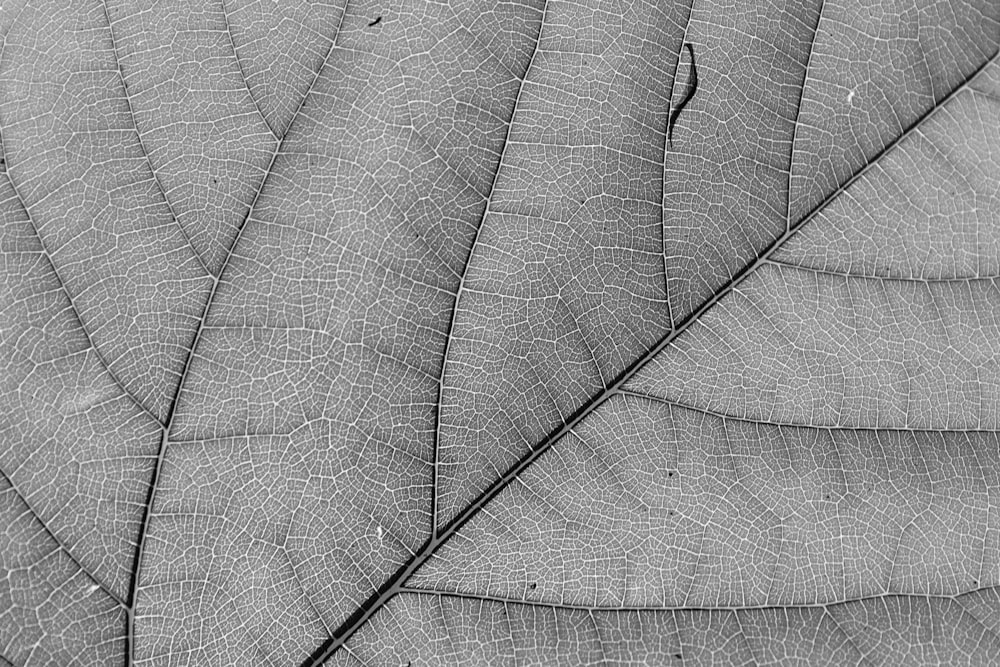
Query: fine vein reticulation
[
  {"x": 397, "y": 583},
  {"x": 176, "y": 438}
]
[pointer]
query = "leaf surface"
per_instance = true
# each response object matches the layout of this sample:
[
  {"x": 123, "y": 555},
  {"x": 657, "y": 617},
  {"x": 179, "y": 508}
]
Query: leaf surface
[{"x": 370, "y": 335}]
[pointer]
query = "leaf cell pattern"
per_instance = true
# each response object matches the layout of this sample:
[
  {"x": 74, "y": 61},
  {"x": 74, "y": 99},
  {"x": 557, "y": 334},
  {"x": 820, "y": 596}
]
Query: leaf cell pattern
[{"x": 351, "y": 334}]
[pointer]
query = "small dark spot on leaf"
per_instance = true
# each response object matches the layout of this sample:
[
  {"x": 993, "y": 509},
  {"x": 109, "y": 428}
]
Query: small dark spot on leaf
[
  {"x": 671, "y": 512},
  {"x": 378, "y": 19},
  {"x": 533, "y": 585},
  {"x": 828, "y": 496},
  {"x": 677, "y": 655},
  {"x": 670, "y": 474}
]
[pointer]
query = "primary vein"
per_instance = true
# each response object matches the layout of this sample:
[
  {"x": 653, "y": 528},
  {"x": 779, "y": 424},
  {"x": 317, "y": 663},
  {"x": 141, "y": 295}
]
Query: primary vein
[{"x": 397, "y": 582}]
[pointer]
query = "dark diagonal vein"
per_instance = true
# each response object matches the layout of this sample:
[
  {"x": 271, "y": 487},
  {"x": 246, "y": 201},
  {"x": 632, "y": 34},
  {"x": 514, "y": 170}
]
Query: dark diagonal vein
[
  {"x": 142, "y": 145},
  {"x": 786, "y": 424},
  {"x": 449, "y": 332},
  {"x": 62, "y": 546},
  {"x": 243, "y": 75},
  {"x": 850, "y": 640},
  {"x": 975, "y": 619},
  {"x": 8, "y": 168},
  {"x": 986, "y": 630},
  {"x": 663, "y": 171},
  {"x": 105, "y": 364},
  {"x": 847, "y": 275},
  {"x": 798, "y": 112},
  {"x": 746, "y": 638},
  {"x": 395, "y": 583},
  {"x": 196, "y": 338}
]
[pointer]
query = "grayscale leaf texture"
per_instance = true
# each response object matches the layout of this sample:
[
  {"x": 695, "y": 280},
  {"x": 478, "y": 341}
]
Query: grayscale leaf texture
[{"x": 577, "y": 332}]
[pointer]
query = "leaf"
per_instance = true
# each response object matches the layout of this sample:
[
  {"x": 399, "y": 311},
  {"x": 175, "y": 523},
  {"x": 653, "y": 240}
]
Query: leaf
[{"x": 403, "y": 335}]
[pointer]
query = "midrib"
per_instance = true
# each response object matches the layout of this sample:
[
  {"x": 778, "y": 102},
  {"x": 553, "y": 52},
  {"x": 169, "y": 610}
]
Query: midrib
[{"x": 396, "y": 583}]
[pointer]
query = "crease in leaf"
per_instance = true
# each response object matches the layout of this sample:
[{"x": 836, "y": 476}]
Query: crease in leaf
[{"x": 692, "y": 88}]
